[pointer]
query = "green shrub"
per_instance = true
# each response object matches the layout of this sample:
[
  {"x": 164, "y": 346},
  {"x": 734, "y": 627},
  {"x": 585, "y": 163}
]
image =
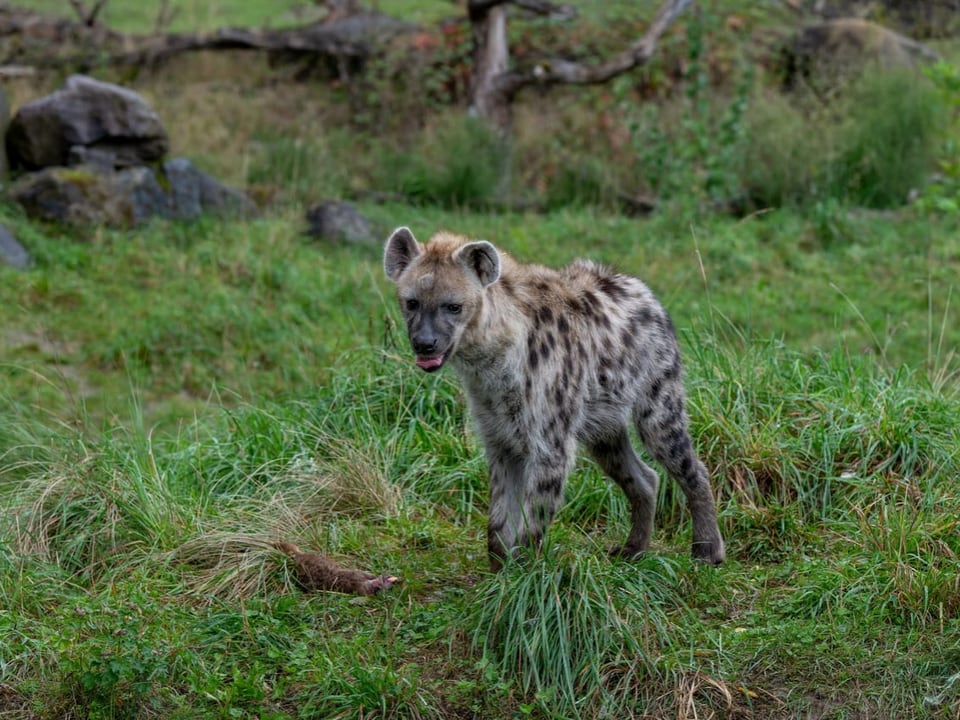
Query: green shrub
[
  {"x": 889, "y": 144},
  {"x": 871, "y": 147},
  {"x": 304, "y": 170},
  {"x": 581, "y": 182},
  {"x": 780, "y": 163},
  {"x": 943, "y": 195},
  {"x": 460, "y": 164}
]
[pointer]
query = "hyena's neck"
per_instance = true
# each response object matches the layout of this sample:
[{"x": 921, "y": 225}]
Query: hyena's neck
[{"x": 494, "y": 343}]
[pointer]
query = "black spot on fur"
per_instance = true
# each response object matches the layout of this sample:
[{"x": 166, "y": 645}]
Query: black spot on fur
[
  {"x": 532, "y": 357},
  {"x": 605, "y": 449},
  {"x": 563, "y": 327},
  {"x": 673, "y": 406},
  {"x": 666, "y": 324},
  {"x": 612, "y": 288},
  {"x": 590, "y": 304},
  {"x": 679, "y": 443},
  {"x": 545, "y": 314},
  {"x": 640, "y": 317},
  {"x": 549, "y": 486},
  {"x": 655, "y": 387},
  {"x": 673, "y": 372}
]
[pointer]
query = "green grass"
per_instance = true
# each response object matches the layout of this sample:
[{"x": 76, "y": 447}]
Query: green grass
[
  {"x": 187, "y": 14},
  {"x": 177, "y": 399}
]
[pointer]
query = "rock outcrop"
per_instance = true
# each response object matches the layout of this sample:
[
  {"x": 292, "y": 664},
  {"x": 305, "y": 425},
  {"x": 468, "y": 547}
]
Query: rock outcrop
[{"x": 94, "y": 153}]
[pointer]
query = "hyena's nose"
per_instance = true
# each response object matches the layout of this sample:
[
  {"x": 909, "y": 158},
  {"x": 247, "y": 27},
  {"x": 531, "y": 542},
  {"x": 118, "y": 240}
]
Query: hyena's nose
[{"x": 424, "y": 345}]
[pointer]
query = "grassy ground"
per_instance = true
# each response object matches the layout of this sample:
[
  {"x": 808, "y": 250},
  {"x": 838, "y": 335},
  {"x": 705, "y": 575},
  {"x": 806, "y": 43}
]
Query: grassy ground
[{"x": 177, "y": 397}]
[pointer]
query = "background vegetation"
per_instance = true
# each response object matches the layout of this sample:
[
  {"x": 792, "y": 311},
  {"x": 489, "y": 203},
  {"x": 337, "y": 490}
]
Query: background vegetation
[{"x": 177, "y": 397}]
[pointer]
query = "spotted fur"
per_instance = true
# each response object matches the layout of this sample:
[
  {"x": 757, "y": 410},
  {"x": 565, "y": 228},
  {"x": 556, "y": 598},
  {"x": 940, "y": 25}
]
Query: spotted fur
[{"x": 549, "y": 359}]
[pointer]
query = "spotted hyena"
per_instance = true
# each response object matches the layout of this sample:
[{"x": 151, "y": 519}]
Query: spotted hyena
[{"x": 550, "y": 358}]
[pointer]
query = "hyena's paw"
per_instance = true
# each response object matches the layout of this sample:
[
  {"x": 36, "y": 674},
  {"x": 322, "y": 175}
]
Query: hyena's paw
[
  {"x": 710, "y": 552},
  {"x": 627, "y": 551}
]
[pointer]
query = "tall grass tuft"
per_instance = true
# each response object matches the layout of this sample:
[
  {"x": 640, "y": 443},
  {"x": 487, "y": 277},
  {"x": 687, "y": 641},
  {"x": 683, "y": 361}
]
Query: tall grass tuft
[
  {"x": 779, "y": 427},
  {"x": 230, "y": 565},
  {"x": 577, "y": 630},
  {"x": 88, "y": 511}
]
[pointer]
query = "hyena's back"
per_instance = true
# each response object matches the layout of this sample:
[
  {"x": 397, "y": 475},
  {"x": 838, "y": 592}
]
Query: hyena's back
[{"x": 624, "y": 340}]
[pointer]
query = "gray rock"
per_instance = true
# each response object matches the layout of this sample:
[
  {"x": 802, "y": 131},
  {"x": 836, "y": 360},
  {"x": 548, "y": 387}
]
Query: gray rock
[
  {"x": 140, "y": 195},
  {"x": 339, "y": 222},
  {"x": 194, "y": 193},
  {"x": 86, "y": 195},
  {"x": 94, "y": 157},
  {"x": 829, "y": 52},
  {"x": 72, "y": 196},
  {"x": 11, "y": 251},
  {"x": 89, "y": 113},
  {"x": 183, "y": 180}
]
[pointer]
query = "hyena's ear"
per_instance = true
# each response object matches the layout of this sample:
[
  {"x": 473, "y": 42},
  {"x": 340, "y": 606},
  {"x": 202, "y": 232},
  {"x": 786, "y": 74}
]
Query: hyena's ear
[
  {"x": 401, "y": 249},
  {"x": 482, "y": 259}
]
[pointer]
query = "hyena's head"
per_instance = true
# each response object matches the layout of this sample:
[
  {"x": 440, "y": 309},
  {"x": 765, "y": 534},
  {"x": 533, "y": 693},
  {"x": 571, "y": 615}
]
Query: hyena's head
[{"x": 441, "y": 287}]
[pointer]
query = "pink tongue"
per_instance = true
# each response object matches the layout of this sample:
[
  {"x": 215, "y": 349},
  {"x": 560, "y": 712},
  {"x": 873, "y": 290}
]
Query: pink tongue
[{"x": 429, "y": 362}]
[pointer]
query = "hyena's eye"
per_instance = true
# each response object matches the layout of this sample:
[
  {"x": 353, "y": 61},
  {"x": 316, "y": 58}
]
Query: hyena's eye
[
  {"x": 413, "y": 305},
  {"x": 454, "y": 308}
]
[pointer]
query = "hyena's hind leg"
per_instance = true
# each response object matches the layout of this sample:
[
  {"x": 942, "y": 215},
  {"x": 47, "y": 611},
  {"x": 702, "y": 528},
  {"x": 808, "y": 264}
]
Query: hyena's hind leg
[
  {"x": 663, "y": 427},
  {"x": 638, "y": 481}
]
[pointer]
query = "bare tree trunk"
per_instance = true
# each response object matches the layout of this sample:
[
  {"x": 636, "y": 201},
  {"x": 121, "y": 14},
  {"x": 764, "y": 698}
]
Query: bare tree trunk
[{"x": 491, "y": 57}]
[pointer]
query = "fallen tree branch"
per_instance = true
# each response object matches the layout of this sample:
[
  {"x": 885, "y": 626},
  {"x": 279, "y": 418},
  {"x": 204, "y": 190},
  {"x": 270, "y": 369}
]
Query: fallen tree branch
[
  {"x": 50, "y": 42},
  {"x": 555, "y": 71}
]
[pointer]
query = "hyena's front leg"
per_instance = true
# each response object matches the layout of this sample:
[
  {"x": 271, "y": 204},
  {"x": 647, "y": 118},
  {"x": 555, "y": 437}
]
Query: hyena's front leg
[
  {"x": 524, "y": 496},
  {"x": 506, "y": 504}
]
